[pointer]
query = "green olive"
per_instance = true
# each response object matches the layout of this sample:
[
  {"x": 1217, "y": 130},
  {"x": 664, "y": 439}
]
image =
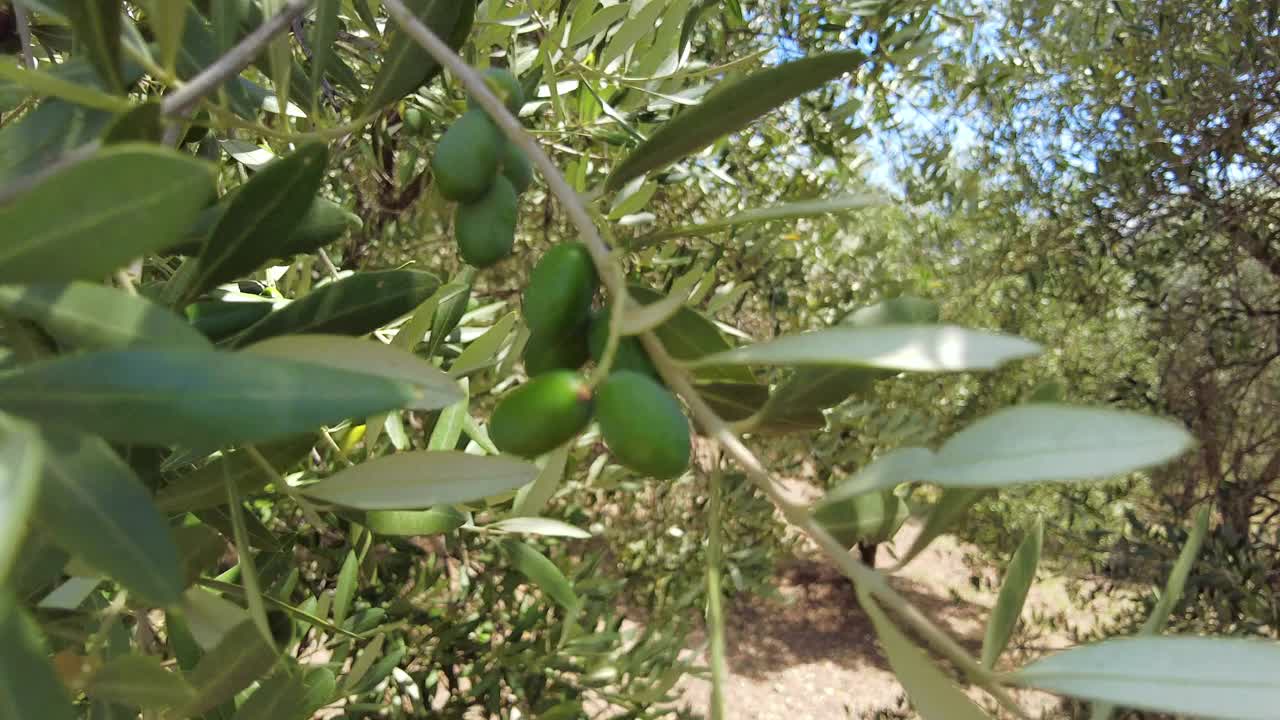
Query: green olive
[
  {"x": 558, "y": 297},
  {"x": 466, "y": 159},
  {"x": 542, "y": 415},
  {"x": 505, "y": 86},
  {"x": 643, "y": 425},
  {"x": 486, "y": 229}
]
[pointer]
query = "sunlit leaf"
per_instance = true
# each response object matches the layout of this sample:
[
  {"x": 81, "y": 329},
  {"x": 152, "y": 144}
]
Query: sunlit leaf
[
  {"x": 541, "y": 571},
  {"x": 1194, "y": 676},
  {"x": 538, "y": 526}
]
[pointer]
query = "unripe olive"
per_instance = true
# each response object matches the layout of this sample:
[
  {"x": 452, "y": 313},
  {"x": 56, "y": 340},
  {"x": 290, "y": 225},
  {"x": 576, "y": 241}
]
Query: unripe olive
[
  {"x": 466, "y": 159},
  {"x": 558, "y": 297},
  {"x": 516, "y": 167},
  {"x": 545, "y": 353},
  {"x": 505, "y": 86},
  {"x": 414, "y": 119},
  {"x": 642, "y": 424},
  {"x": 486, "y": 229},
  {"x": 630, "y": 354},
  {"x": 542, "y": 415}
]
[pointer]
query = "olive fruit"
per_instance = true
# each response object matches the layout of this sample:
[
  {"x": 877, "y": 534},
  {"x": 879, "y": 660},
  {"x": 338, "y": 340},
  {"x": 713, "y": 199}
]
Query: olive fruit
[
  {"x": 505, "y": 86},
  {"x": 486, "y": 229},
  {"x": 542, "y": 415},
  {"x": 516, "y": 168},
  {"x": 558, "y": 297},
  {"x": 642, "y": 424},
  {"x": 466, "y": 159},
  {"x": 630, "y": 354},
  {"x": 544, "y": 353}
]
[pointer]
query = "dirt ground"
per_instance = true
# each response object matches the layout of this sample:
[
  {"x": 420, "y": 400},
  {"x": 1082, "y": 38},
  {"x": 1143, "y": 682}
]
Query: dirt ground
[{"x": 814, "y": 654}]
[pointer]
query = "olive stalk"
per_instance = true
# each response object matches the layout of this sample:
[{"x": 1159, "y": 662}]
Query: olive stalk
[{"x": 712, "y": 425}]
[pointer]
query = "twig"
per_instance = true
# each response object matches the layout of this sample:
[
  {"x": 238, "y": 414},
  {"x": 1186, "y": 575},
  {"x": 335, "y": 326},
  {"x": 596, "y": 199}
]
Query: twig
[
  {"x": 673, "y": 372},
  {"x": 233, "y": 61},
  {"x": 24, "y": 35}
]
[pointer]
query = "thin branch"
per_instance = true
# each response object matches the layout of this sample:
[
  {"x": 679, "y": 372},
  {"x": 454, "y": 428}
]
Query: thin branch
[
  {"x": 233, "y": 61},
  {"x": 713, "y": 426},
  {"x": 24, "y": 34}
]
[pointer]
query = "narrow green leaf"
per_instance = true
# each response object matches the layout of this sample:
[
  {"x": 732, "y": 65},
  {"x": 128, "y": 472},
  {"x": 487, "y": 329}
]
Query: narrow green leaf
[
  {"x": 444, "y": 436},
  {"x": 408, "y": 523},
  {"x": 786, "y": 211},
  {"x": 631, "y": 31},
  {"x": 324, "y": 33},
  {"x": 167, "y": 19},
  {"x": 688, "y": 335},
  {"x": 532, "y": 498},
  {"x": 946, "y": 512},
  {"x": 355, "y": 305},
  {"x": 405, "y": 65},
  {"x": 422, "y": 479},
  {"x": 1159, "y": 616},
  {"x": 281, "y": 697},
  {"x": 242, "y": 657},
  {"x": 204, "y": 488},
  {"x": 435, "y": 388},
  {"x": 737, "y": 402},
  {"x": 541, "y": 571},
  {"x": 346, "y": 588},
  {"x": 483, "y": 351},
  {"x": 321, "y": 685},
  {"x": 46, "y": 135},
  {"x": 1013, "y": 595},
  {"x": 261, "y": 214},
  {"x": 870, "y": 518},
  {"x": 941, "y": 348},
  {"x": 731, "y": 107},
  {"x": 1044, "y": 442},
  {"x": 363, "y": 662},
  {"x": 194, "y": 398},
  {"x": 81, "y": 222},
  {"x": 139, "y": 681},
  {"x": 208, "y": 618},
  {"x": 29, "y": 688},
  {"x": 48, "y": 84},
  {"x": 292, "y": 611},
  {"x": 200, "y": 547},
  {"x": 450, "y": 309},
  {"x": 91, "y": 317},
  {"x": 93, "y": 505},
  {"x": 538, "y": 526},
  {"x": 931, "y": 692},
  {"x": 21, "y": 461},
  {"x": 885, "y": 472},
  {"x": 144, "y": 123},
  {"x": 598, "y": 23},
  {"x": 97, "y": 26},
  {"x": 1196, "y": 676}
]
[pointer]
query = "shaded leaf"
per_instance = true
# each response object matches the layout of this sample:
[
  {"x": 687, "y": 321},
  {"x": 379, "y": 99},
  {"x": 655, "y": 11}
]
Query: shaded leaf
[
  {"x": 869, "y": 518},
  {"x": 408, "y": 523},
  {"x": 81, "y": 222},
  {"x": 1198, "y": 676},
  {"x": 688, "y": 335},
  {"x": 483, "y": 351},
  {"x": 946, "y": 512},
  {"x": 885, "y": 472},
  {"x": 541, "y": 572},
  {"x": 139, "y": 681},
  {"x": 50, "y": 84},
  {"x": 345, "y": 590},
  {"x": 435, "y": 388},
  {"x": 97, "y": 27},
  {"x": 93, "y": 504},
  {"x": 21, "y": 461},
  {"x": 262, "y": 213},
  {"x": 240, "y": 658},
  {"x": 532, "y": 498},
  {"x": 29, "y": 688},
  {"x": 1013, "y": 595},
  {"x": 422, "y": 479},
  {"x": 730, "y": 107},
  {"x": 1159, "y": 616},
  {"x": 200, "y": 399},
  {"x": 204, "y": 488},
  {"x": 91, "y": 316},
  {"x": 406, "y": 66},
  {"x": 281, "y": 697},
  {"x": 355, "y": 305}
]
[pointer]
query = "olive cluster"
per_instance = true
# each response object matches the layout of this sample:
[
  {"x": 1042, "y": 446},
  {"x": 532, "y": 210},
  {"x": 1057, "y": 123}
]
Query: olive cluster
[
  {"x": 477, "y": 167},
  {"x": 640, "y": 420}
]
